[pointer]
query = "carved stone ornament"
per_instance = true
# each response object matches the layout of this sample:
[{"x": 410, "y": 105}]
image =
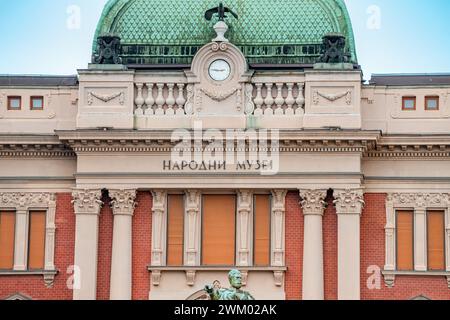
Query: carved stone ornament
[
  {"x": 349, "y": 201},
  {"x": 313, "y": 201},
  {"x": 123, "y": 201},
  {"x": 333, "y": 49},
  {"x": 419, "y": 200},
  {"x": 25, "y": 200},
  {"x": 332, "y": 97},
  {"x": 218, "y": 95},
  {"x": 108, "y": 50},
  {"x": 87, "y": 201},
  {"x": 105, "y": 98}
]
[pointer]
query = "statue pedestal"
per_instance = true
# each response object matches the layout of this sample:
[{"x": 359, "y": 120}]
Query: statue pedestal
[{"x": 333, "y": 66}]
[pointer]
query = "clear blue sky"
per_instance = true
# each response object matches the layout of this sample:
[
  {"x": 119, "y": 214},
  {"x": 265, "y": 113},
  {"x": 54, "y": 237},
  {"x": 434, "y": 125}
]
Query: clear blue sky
[{"x": 392, "y": 36}]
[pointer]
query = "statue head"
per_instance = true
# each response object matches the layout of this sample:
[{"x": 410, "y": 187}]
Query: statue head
[{"x": 235, "y": 278}]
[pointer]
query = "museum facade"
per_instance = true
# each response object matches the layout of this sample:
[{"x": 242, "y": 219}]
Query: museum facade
[{"x": 203, "y": 139}]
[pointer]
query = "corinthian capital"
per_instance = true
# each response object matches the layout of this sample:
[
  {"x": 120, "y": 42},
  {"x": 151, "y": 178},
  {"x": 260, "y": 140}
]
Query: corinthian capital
[
  {"x": 313, "y": 201},
  {"x": 123, "y": 201},
  {"x": 349, "y": 201},
  {"x": 87, "y": 201}
]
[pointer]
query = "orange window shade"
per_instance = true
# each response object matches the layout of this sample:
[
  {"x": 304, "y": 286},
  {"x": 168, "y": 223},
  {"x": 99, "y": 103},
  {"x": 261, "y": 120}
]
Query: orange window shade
[
  {"x": 36, "y": 249},
  {"x": 405, "y": 240},
  {"x": 219, "y": 230},
  {"x": 7, "y": 233},
  {"x": 175, "y": 211},
  {"x": 262, "y": 230},
  {"x": 436, "y": 240}
]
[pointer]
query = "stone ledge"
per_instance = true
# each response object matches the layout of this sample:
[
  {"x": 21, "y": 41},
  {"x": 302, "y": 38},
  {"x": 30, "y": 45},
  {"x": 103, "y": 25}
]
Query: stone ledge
[
  {"x": 49, "y": 275},
  {"x": 389, "y": 276},
  {"x": 278, "y": 273}
]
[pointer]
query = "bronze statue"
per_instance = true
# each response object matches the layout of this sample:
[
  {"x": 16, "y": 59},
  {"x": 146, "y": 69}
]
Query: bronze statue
[
  {"x": 233, "y": 293},
  {"x": 220, "y": 11}
]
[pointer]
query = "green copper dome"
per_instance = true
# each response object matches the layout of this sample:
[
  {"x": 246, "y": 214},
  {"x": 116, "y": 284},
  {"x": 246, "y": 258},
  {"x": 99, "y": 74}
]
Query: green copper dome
[{"x": 267, "y": 31}]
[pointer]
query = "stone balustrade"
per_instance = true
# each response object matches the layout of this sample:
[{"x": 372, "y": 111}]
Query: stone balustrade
[
  {"x": 160, "y": 99},
  {"x": 278, "y": 98}
]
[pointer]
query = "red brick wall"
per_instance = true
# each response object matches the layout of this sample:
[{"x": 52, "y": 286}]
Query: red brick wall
[
  {"x": 142, "y": 238},
  {"x": 330, "y": 258},
  {"x": 33, "y": 286},
  {"x": 105, "y": 238},
  {"x": 294, "y": 247},
  {"x": 373, "y": 222}
]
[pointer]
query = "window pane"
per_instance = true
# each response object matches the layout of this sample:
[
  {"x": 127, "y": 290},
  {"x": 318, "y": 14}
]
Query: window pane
[
  {"x": 37, "y": 103},
  {"x": 262, "y": 230},
  {"x": 432, "y": 104},
  {"x": 409, "y": 104},
  {"x": 219, "y": 225},
  {"x": 436, "y": 240},
  {"x": 37, "y": 240},
  {"x": 14, "y": 103},
  {"x": 7, "y": 232},
  {"x": 405, "y": 240},
  {"x": 175, "y": 211}
]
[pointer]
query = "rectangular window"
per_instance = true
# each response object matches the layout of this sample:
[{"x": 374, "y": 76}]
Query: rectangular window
[
  {"x": 409, "y": 103},
  {"x": 175, "y": 230},
  {"x": 432, "y": 103},
  {"x": 262, "y": 211},
  {"x": 436, "y": 240},
  {"x": 36, "y": 246},
  {"x": 7, "y": 233},
  {"x": 405, "y": 240},
  {"x": 37, "y": 103},
  {"x": 219, "y": 230},
  {"x": 14, "y": 103}
]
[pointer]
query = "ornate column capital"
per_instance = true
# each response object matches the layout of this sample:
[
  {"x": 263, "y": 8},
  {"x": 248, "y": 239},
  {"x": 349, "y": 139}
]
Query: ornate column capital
[
  {"x": 279, "y": 200},
  {"x": 193, "y": 199},
  {"x": 349, "y": 201},
  {"x": 87, "y": 201},
  {"x": 313, "y": 202},
  {"x": 245, "y": 200},
  {"x": 123, "y": 201},
  {"x": 159, "y": 201}
]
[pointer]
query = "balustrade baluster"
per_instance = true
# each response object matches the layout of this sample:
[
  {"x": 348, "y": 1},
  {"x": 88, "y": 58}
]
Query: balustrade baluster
[
  {"x": 139, "y": 101},
  {"x": 160, "y": 100}
]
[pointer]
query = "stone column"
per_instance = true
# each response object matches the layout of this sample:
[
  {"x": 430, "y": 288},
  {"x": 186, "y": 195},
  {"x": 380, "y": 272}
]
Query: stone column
[
  {"x": 313, "y": 205},
  {"x": 349, "y": 205},
  {"x": 278, "y": 228},
  {"x": 420, "y": 239},
  {"x": 193, "y": 227},
  {"x": 244, "y": 235},
  {"x": 159, "y": 228},
  {"x": 21, "y": 239},
  {"x": 87, "y": 205},
  {"x": 123, "y": 204}
]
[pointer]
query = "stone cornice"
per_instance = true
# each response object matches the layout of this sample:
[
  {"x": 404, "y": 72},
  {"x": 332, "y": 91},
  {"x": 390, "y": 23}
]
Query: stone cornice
[
  {"x": 349, "y": 201},
  {"x": 25, "y": 200},
  {"x": 313, "y": 201},
  {"x": 33, "y": 146},
  {"x": 123, "y": 201},
  {"x": 160, "y": 141},
  {"x": 87, "y": 201}
]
